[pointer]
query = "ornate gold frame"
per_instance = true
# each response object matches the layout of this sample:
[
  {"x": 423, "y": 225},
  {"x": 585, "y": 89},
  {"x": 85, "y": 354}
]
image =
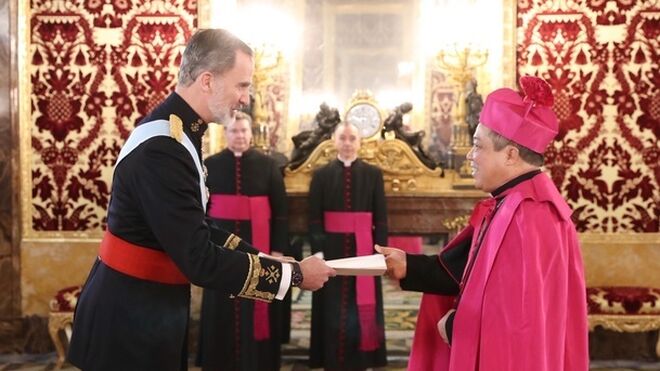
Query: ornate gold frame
[
  {"x": 623, "y": 323},
  {"x": 23, "y": 35},
  {"x": 403, "y": 173}
]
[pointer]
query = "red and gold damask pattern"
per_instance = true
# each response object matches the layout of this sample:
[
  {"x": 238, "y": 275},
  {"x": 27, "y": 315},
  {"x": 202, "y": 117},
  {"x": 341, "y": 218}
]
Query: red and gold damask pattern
[
  {"x": 601, "y": 59},
  {"x": 96, "y": 68},
  {"x": 66, "y": 299},
  {"x": 623, "y": 300}
]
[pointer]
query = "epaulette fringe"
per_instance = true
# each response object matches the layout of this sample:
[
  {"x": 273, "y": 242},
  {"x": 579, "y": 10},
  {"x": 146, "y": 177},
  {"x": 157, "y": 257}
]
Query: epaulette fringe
[{"x": 176, "y": 128}]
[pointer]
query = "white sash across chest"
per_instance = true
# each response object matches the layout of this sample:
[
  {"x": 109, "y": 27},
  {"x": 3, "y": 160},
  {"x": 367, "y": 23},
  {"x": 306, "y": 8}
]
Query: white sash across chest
[{"x": 162, "y": 128}]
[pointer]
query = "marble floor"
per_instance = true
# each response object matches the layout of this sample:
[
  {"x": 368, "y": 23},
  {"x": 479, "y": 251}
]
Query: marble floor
[
  {"x": 46, "y": 362},
  {"x": 400, "y": 317}
]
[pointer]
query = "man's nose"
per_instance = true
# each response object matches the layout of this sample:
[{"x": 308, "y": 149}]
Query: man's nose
[{"x": 244, "y": 99}]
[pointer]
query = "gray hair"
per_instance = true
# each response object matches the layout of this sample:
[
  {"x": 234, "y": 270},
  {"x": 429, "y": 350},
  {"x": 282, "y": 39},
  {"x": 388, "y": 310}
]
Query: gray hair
[
  {"x": 212, "y": 50},
  {"x": 529, "y": 156}
]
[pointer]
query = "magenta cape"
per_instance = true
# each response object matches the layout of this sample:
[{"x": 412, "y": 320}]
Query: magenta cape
[{"x": 524, "y": 305}]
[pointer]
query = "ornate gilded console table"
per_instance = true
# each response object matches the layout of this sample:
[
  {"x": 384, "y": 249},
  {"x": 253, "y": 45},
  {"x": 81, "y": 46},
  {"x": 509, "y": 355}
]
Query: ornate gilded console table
[{"x": 420, "y": 201}]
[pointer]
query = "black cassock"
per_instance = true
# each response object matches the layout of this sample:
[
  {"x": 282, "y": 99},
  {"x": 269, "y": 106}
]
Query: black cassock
[
  {"x": 226, "y": 331},
  {"x": 126, "y": 323},
  {"x": 335, "y": 334}
]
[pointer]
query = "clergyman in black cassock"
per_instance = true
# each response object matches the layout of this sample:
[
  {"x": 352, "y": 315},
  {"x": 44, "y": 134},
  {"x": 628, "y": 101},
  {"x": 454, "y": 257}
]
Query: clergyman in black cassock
[
  {"x": 233, "y": 335},
  {"x": 341, "y": 339}
]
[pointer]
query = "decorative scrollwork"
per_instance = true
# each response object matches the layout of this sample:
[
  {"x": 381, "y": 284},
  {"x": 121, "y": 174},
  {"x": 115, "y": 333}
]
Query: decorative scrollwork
[
  {"x": 403, "y": 172},
  {"x": 457, "y": 223}
]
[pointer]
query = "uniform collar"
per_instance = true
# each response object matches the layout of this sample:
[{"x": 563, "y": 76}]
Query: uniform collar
[
  {"x": 245, "y": 153},
  {"x": 514, "y": 182},
  {"x": 346, "y": 163},
  {"x": 193, "y": 125}
]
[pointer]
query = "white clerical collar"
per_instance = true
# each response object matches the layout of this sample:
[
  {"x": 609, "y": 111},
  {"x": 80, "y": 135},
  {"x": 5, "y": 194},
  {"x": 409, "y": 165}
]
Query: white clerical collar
[
  {"x": 237, "y": 154},
  {"x": 347, "y": 163}
]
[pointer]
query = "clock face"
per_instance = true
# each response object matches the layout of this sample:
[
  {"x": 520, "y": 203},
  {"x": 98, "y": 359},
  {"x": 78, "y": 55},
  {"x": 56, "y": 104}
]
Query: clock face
[{"x": 365, "y": 117}]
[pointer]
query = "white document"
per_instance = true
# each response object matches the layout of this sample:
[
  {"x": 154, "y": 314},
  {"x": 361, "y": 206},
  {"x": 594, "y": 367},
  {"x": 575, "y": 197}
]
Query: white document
[{"x": 367, "y": 265}]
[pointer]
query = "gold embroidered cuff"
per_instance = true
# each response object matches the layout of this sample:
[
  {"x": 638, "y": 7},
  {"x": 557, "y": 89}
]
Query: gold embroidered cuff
[
  {"x": 249, "y": 290},
  {"x": 232, "y": 242}
]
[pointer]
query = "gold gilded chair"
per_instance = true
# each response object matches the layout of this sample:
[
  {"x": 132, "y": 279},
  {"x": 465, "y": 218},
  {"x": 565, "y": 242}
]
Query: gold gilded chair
[
  {"x": 60, "y": 320},
  {"x": 625, "y": 309}
]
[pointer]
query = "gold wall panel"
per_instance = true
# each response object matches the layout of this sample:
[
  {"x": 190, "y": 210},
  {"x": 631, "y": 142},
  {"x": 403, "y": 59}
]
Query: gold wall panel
[{"x": 619, "y": 259}]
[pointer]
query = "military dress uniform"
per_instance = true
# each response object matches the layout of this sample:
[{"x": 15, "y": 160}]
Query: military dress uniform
[
  {"x": 133, "y": 311},
  {"x": 239, "y": 334},
  {"x": 348, "y": 215}
]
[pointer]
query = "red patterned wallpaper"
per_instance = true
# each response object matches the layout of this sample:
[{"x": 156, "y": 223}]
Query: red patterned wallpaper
[
  {"x": 601, "y": 59},
  {"x": 96, "y": 68}
]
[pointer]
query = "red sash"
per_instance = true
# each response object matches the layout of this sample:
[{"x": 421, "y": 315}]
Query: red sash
[
  {"x": 139, "y": 262},
  {"x": 359, "y": 223},
  {"x": 256, "y": 209}
]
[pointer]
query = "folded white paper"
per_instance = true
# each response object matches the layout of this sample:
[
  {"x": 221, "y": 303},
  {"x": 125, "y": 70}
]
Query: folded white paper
[{"x": 367, "y": 265}]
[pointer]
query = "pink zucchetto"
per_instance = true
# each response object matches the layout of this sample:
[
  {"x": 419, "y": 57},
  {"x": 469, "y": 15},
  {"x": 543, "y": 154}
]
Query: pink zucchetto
[{"x": 527, "y": 120}]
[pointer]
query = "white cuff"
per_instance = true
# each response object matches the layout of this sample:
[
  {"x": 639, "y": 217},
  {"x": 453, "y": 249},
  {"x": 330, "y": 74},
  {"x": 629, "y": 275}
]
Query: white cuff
[{"x": 286, "y": 281}]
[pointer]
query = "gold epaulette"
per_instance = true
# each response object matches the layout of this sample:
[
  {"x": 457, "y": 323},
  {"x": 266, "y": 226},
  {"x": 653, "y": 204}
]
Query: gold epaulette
[{"x": 176, "y": 128}]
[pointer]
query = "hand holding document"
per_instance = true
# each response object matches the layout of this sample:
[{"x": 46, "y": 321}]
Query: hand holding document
[{"x": 367, "y": 265}]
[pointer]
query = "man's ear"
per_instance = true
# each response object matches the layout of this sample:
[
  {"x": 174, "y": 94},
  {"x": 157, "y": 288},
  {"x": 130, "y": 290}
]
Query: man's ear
[
  {"x": 205, "y": 80},
  {"x": 512, "y": 154}
]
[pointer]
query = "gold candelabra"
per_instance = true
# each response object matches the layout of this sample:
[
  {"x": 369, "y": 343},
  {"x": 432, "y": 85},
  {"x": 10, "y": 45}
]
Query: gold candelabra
[
  {"x": 459, "y": 65},
  {"x": 267, "y": 64}
]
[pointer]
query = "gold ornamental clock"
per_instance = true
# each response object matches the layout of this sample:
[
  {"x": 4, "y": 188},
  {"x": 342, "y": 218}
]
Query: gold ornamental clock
[{"x": 364, "y": 114}]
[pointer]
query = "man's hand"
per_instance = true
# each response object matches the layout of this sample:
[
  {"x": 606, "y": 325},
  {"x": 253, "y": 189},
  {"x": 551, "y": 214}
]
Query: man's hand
[
  {"x": 315, "y": 273},
  {"x": 442, "y": 328},
  {"x": 395, "y": 260}
]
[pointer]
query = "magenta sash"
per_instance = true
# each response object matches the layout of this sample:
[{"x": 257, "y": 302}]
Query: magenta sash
[
  {"x": 256, "y": 209},
  {"x": 409, "y": 244},
  {"x": 359, "y": 223}
]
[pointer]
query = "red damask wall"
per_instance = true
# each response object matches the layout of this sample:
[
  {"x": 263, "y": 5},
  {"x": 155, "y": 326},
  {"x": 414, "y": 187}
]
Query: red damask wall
[
  {"x": 96, "y": 68},
  {"x": 601, "y": 59}
]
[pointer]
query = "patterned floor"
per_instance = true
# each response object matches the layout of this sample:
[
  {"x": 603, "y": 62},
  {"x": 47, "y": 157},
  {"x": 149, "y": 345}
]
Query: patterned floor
[
  {"x": 400, "y": 317},
  {"x": 46, "y": 362}
]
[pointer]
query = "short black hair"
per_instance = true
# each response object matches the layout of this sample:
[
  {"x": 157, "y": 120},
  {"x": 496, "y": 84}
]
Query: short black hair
[{"x": 529, "y": 156}]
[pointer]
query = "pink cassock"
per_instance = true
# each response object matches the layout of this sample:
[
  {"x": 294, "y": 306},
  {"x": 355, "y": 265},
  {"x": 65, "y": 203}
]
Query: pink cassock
[
  {"x": 429, "y": 352},
  {"x": 524, "y": 304}
]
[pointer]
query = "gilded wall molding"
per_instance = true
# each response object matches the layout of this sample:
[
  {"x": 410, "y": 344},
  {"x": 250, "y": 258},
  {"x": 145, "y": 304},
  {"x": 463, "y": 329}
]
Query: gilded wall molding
[
  {"x": 595, "y": 238},
  {"x": 403, "y": 173},
  {"x": 625, "y": 323}
]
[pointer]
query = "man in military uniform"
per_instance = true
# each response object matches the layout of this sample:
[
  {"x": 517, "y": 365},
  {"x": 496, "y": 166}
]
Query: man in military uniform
[
  {"x": 347, "y": 216},
  {"x": 134, "y": 308},
  {"x": 248, "y": 198}
]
